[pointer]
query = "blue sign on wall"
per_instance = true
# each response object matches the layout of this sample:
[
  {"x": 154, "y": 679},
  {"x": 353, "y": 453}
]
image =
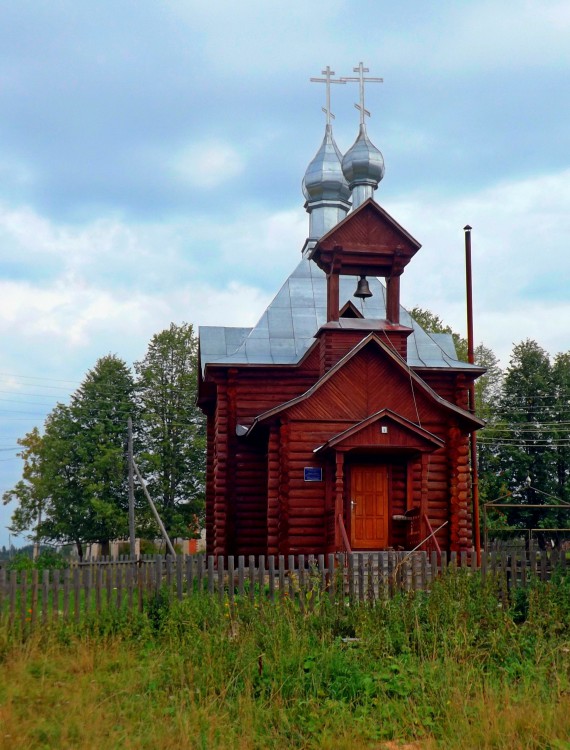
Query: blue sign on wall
[{"x": 313, "y": 474}]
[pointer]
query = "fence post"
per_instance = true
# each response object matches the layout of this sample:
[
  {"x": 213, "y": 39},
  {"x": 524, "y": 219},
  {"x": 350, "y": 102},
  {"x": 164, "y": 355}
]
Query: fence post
[
  {"x": 168, "y": 565},
  {"x": 34, "y": 601},
  {"x": 55, "y": 594},
  {"x": 271, "y": 567},
  {"x": 119, "y": 572},
  {"x": 322, "y": 573},
  {"x": 331, "y": 577},
  {"x": 360, "y": 565},
  {"x": 221, "y": 579},
  {"x": 282, "y": 591},
  {"x": 87, "y": 590},
  {"x": 543, "y": 571},
  {"x": 291, "y": 571},
  {"x": 350, "y": 574},
  {"x": 157, "y": 574},
  {"x": 302, "y": 583},
  {"x": 210, "y": 574},
  {"x": 241, "y": 575},
  {"x": 252, "y": 578},
  {"x": 261, "y": 577},
  {"x": 111, "y": 569},
  {"x": 231, "y": 575},
  {"x": 97, "y": 580},
  {"x": 201, "y": 560},
  {"x": 179, "y": 563},
  {"x": 189, "y": 575},
  {"x": 23, "y": 599}
]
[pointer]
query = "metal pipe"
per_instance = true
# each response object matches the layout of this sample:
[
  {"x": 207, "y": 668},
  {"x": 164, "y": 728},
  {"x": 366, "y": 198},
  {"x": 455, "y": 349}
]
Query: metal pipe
[
  {"x": 471, "y": 360},
  {"x": 469, "y": 285},
  {"x": 132, "y": 537}
]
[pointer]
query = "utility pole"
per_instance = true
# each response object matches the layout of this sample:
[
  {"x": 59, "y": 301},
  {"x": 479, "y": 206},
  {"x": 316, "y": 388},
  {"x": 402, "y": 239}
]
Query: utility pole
[
  {"x": 154, "y": 511},
  {"x": 471, "y": 360},
  {"x": 131, "y": 490}
]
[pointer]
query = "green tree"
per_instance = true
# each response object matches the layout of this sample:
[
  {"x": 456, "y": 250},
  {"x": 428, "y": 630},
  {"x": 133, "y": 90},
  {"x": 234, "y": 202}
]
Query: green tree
[
  {"x": 73, "y": 487},
  {"x": 530, "y": 437},
  {"x": 172, "y": 428},
  {"x": 432, "y": 323},
  {"x": 29, "y": 493},
  {"x": 526, "y": 410},
  {"x": 487, "y": 386},
  {"x": 487, "y": 397}
]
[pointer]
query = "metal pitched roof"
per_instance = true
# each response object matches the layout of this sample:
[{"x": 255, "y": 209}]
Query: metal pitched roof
[{"x": 287, "y": 328}]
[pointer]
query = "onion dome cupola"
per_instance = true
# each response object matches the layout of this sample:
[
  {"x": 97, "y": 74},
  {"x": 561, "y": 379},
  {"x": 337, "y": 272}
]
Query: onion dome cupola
[
  {"x": 363, "y": 167},
  {"x": 363, "y": 163},
  {"x": 326, "y": 191}
]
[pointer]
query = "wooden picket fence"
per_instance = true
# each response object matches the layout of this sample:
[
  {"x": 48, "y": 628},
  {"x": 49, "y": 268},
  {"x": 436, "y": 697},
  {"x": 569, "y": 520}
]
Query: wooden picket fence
[{"x": 29, "y": 598}]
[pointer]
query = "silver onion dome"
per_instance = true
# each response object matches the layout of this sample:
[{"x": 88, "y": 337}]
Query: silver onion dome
[
  {"x": 324, "y": 179},
  {"x": 363, "y": 167},
  {"x": 326, "y": 191}
]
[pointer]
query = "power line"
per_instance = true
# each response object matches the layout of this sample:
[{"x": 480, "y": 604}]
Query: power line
[{"x": 35, "y": 377}]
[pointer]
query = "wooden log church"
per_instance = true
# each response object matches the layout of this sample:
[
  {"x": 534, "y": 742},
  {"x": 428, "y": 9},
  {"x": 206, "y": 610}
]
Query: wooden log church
[{"x": 337, "y": 423}]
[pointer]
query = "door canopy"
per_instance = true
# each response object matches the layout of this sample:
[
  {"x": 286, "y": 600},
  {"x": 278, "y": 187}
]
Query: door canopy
[{"x": 385, "y": 431}]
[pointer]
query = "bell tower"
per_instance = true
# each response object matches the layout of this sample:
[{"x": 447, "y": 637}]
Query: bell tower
[{"x": 369, "y": 242}]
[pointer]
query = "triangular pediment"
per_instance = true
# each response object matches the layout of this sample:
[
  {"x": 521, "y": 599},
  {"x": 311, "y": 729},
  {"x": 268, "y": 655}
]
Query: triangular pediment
[
  {"x": 371, "y": 377},
  {"x": 369, "y": 236},
  {"x": 384, "y": 430}
]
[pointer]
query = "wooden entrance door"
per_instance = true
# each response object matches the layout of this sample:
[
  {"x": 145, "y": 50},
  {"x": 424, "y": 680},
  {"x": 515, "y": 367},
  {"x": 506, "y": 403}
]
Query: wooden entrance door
[{"x": 369, "y": 507}]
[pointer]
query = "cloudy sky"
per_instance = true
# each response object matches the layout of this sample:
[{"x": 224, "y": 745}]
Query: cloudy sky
[{"x": 151, "y": 155}]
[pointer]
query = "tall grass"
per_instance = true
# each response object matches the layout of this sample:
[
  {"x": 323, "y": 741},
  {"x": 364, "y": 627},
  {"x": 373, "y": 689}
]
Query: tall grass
[{"x": 462, "y": 667}]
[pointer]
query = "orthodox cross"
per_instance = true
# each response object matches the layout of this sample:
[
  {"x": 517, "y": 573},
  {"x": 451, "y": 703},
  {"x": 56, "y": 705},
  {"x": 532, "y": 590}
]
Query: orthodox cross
[
  {"x": 361, "y": 70},
  {"x": 327, "y": 80}
]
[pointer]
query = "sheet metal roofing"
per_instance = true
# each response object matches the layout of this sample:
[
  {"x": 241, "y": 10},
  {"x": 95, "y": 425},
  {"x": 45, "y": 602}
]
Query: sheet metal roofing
[{"x": 286, "y": 330}]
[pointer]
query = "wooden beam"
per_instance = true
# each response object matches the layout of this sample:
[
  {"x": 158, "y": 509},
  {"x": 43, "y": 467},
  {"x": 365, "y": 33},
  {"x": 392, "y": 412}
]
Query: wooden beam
[
  {"x": 333, "y": 304},
  {"x": 393, "y": 299}
]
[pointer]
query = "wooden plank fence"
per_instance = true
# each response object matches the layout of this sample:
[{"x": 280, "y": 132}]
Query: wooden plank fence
[{"x": 29, "y": 598}]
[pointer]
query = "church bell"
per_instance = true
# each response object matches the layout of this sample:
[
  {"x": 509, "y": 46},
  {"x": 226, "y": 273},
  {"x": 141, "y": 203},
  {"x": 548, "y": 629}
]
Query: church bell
[{"x": 362, "y": 288}]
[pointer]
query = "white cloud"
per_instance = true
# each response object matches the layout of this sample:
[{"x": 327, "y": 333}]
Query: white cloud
[
  {"x": 67, "y": 316},
  {"x": 108, "y": 286},
  {"x": 208, "y": 164},
  {"x": 521, "y": 265},
  {"x": 260, "y": 38},
  {"x": 483, "y": 36}
]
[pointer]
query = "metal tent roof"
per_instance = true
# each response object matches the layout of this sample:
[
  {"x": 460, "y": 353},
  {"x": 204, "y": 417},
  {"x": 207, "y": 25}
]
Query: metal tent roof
[{"x": 286, "y": 330}]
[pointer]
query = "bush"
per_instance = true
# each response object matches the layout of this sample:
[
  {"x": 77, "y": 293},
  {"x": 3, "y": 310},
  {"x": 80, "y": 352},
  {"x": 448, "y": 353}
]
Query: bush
[{"x": 48, "y": 559}]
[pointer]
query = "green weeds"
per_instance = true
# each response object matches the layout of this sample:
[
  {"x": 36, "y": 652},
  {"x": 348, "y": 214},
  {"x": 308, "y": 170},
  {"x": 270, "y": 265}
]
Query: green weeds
[{"x": 467, "y": 666}]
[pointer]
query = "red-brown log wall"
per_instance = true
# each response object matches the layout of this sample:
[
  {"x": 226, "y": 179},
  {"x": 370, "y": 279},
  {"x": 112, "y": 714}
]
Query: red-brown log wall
[
  {"x": 249, "y": 499},
  {"x": 257, "y": 499}
]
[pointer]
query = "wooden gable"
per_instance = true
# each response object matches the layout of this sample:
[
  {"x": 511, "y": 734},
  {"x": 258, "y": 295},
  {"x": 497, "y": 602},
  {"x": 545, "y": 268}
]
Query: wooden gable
[
  {"x": 368, "y": 242},
  {"x": 365, "y": 384},
  {"x": 370, "y": 378}
]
